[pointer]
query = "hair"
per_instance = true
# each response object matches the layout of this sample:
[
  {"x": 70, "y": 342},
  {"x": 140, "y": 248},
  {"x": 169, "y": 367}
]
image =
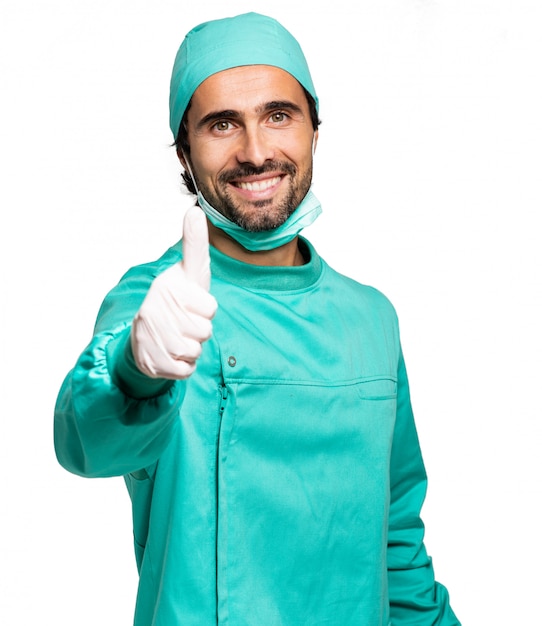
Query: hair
[{"x": 183, "y": 147}]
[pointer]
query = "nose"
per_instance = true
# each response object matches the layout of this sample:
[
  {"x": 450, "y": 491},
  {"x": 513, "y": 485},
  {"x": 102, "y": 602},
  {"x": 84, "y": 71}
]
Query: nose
[{"x": 255, "y": 147}]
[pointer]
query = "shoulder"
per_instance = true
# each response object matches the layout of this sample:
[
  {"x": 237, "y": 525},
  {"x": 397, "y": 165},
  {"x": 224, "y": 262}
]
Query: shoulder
[
  {"x": 357, "y": 293},
  {"x": 124, "y": 299},
  {"x": 151, "y": 269}
]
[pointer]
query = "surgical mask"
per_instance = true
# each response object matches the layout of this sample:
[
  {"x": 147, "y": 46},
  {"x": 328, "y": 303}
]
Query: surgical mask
[{"x": 305, "y": 214}]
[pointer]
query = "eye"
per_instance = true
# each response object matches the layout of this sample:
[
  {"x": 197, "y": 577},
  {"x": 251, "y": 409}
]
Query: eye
[
  {"x": 278, "y": 116},
  {"x": 221, "y": 125}
]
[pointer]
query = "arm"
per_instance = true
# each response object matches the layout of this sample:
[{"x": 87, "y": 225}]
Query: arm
[
  {"x": 110, "y": 419},
  {"x": 119, "y": 406},
  {"x": 416, "y": 599}
]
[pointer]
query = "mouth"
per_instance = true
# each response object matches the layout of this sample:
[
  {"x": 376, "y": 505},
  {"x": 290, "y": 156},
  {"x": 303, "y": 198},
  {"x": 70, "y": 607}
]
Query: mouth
[{"x": 258, "y": 185}]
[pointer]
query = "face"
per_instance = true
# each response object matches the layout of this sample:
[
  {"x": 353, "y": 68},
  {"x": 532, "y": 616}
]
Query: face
[{"x": 251, "y": 141}]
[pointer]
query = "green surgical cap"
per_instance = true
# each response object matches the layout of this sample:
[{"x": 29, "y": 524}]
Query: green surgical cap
[{"x": 211, "y": 47}]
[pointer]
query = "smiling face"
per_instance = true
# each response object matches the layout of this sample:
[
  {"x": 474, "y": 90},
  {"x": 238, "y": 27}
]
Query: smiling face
[{"x": 251, "y": 136}]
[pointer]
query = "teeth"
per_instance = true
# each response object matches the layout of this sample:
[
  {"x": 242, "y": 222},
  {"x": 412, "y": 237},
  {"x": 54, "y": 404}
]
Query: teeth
[{"x": 261, "y": 185}]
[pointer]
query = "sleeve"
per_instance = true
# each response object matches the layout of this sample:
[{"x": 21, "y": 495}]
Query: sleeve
[
  {"x": 110, "y": 419},
  {"x": 416, "y": 598}
]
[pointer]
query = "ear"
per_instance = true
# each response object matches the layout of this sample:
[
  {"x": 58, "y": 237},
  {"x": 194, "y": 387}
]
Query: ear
[
  {"x": 314, "y": 141},
  {"x": 181, "y": 157}
]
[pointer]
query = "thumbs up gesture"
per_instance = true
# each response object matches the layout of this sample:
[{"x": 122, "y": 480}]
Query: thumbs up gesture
[{"x": 175, "y": 317}]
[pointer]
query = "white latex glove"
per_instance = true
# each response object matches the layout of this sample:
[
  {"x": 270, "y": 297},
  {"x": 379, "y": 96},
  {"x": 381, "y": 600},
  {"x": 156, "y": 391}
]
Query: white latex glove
[{"x": 175, "y": 317}]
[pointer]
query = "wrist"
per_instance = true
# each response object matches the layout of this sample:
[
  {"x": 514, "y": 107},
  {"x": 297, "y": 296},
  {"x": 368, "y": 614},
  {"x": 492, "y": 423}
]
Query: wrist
[{"x": 126, "y": 375}]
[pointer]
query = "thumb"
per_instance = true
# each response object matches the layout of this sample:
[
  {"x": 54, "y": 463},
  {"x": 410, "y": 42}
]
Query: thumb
[{"x": 196, "y": 261}]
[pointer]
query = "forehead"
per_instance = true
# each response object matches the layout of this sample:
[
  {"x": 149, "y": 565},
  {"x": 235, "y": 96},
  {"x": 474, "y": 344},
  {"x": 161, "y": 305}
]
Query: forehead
[{"x": 247, "y": 87}]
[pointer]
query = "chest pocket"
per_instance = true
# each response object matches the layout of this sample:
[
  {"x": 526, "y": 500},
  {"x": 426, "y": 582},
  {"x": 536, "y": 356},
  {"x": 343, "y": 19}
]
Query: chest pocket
[{"x": 378, "y": 389}]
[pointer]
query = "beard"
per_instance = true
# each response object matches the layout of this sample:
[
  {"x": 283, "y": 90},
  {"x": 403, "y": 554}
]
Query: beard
[{"x": 263, "y": 214}]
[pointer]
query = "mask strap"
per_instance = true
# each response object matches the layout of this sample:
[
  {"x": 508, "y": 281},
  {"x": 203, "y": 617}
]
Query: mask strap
[{"x": 190, "y": 172}]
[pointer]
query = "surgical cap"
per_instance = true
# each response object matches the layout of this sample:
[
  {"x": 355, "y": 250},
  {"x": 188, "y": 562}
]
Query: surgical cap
[{"x": 211, "y": 47}]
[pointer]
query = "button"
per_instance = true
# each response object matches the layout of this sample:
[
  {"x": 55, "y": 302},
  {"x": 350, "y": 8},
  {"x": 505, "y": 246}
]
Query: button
[{"x": 232, "y": 361}]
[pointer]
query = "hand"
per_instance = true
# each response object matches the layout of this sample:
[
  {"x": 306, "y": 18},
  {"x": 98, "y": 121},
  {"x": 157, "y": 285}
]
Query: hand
[{"x": 175, "y": 317}]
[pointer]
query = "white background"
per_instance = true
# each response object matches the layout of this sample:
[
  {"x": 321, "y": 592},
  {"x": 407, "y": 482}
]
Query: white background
[{"x": 429, "y": 170}]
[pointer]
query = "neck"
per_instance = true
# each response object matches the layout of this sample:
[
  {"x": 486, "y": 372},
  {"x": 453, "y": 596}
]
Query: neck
[{"x": 286, "y": 255}]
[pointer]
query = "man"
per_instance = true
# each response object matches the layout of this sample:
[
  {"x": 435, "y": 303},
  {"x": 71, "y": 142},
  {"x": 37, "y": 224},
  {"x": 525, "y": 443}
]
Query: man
[{"x": 265, "y": 431}]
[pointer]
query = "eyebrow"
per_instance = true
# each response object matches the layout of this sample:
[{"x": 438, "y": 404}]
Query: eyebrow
[{"x": 231, "y": 114}]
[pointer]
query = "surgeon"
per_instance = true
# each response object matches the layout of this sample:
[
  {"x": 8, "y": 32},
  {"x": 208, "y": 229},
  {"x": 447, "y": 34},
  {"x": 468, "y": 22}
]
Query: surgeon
[{"x": 255, "y": 401}]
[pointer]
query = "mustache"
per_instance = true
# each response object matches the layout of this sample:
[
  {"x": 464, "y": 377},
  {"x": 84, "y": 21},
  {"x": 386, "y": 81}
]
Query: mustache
[{"x": 250, "y": 170}]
